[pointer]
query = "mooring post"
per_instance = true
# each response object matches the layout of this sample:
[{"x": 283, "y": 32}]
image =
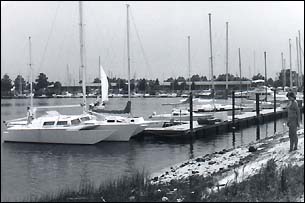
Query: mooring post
[
  {"x": 257, "y": 117},
  {"x": 191, "y": 113},
  {"x": 274, "y": 109},
  {"x": 233, "y": 110}
]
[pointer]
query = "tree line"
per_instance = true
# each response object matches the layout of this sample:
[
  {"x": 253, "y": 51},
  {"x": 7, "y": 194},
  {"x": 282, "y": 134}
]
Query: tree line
[{"x": 43, "y": 86}]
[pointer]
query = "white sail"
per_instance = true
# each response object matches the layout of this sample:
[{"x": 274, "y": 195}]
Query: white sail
[{"x": 104, "y": 85}]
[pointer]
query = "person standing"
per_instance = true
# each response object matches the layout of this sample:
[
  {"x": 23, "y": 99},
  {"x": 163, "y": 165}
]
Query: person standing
[{"x": 293, "y": 121}]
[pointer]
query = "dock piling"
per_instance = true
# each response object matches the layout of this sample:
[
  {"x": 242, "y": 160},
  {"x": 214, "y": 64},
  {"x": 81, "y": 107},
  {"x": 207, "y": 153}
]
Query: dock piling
[
  {"x": 257, "y": 117},
  {"x": 233, "y": 110},
  {"x": 191, "y": 114},
  {"x": 274, "y": 108}
]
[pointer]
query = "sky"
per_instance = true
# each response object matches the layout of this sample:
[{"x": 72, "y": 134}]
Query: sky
[{"x": 158, "y": 37}]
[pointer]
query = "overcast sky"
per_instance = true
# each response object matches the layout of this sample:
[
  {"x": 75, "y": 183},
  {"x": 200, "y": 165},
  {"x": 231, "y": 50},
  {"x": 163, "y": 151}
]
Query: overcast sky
[{"x": 158, "y": 47}]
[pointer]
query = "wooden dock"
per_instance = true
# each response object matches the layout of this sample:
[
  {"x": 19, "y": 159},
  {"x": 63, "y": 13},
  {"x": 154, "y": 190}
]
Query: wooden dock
[{"x": 182, "y": 131}]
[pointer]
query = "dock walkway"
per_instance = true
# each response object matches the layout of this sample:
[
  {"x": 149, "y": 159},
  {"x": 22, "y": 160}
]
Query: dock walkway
[{"x": 243, "y": 120}]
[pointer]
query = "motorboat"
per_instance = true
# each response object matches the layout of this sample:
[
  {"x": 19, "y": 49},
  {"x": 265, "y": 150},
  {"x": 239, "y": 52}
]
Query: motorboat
[{"x": 179, "y": 115}]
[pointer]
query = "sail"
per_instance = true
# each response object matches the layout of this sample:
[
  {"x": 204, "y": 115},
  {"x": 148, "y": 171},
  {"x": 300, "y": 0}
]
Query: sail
[{"x": 104, "y": 85}]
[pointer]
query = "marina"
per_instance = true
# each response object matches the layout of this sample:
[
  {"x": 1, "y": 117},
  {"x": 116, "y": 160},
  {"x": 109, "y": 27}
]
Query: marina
[{"x": 97, "y": 93}]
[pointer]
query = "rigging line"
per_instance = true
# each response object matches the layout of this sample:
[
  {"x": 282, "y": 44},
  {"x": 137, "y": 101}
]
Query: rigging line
[
  {"x": 141, "y": 45},
  {"x": 49, "y": 36}
]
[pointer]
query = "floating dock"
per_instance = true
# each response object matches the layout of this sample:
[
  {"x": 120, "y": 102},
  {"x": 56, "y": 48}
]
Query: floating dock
[{"x": 182, "y": 131}]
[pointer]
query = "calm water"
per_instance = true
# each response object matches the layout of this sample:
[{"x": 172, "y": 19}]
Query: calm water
[{"x": 36, "y": 169}]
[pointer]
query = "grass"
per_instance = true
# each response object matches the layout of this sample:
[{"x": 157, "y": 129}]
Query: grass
[{"x": 268, "y": 185}]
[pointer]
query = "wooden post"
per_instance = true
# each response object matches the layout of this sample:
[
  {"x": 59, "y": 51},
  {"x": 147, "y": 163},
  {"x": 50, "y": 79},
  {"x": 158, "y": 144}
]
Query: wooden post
[
  {"x": 266, "y": 80},
  {"x": 274, "y": 108},
  {"x": 257, "y": 117},
  {"x": 233, "y": 117},
  {"x": 233, "y": 110},
  {"x": 191, "y": 114}
]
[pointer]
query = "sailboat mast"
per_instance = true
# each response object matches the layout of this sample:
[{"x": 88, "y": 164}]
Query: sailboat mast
[
  {"x": 20, "y": 85},
  {"x": 189, "y": 60},
  {"x": 297, "y": 48},
  {"x": 31, "y": 72},
  {"x": 283, "y": 70},
  {"x": 227, "y": 57},
  {"x": 211, "y": 51},
  {"x": 128, "y": 52},
  {"x": 100, "y": 72},
  {"x": 82, "y": 47},
  {"x": 300, "y": 52},
  {"x": 285, "y": 80},
  {"x": 265, "y": 57},
  {"x": 254, "y": 71},
  {"x": 239, "y": 59},
  {"x": 290, "y": 74}
]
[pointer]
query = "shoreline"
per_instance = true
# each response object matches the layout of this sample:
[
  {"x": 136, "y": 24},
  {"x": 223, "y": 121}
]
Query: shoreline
[{"x": 236, "y": 164}]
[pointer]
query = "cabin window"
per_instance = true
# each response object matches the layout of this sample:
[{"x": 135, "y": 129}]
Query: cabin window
[
  {"x": 110, "y": 121},
  {"x": 85, "y": 118},
  {"x": 48, "y": 123},
  {"x": 176, "y": 114},
  {"x": 62, "y": 123},
  {"x": 75, "y": 121}
]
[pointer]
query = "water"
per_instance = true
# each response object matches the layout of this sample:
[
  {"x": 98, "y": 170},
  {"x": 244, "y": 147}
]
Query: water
[{"x": 37, "y": 169}]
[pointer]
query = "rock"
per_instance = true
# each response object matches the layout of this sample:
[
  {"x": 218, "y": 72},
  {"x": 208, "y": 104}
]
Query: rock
[
  {"x": 252, "y": 149},
  {"x": 164, "y": 199},
  {"x": 198, "y": 164},
  {"x": 221, "y": 168},
  {"x": 166, "y": 172},
  {"x": 155, "y": 178},
  {"x": 212, "y": 162},
  {"x": 221, "y": 152},
  {"x": 232, "y": 154},
  {"x": 200, "y": 159},
  {"x": 173, "y": 170}
]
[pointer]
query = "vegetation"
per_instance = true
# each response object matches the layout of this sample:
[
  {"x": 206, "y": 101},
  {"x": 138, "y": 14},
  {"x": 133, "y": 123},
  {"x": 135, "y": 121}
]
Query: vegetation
[
  {"x": 269, "y": 184},
  {"x": 43, "y": 86}
]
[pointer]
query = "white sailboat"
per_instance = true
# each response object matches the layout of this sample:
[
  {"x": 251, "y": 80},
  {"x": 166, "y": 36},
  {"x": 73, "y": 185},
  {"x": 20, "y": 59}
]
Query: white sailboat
[
  {"x": 68, "y": 129},
  {"x": 100, "y": 102}
]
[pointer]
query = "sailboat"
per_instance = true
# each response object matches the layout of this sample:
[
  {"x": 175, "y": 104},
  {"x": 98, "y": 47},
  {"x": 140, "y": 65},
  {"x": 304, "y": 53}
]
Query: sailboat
[
  {"x": 111, "y": 114},
  {"x": 68, "y": 129},
  {"x": 100, "y": 101}
]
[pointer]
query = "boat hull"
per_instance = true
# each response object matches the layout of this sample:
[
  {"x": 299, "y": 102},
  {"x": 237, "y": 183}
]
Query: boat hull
[
  {"x": 57, "y": 136},
  {"x": 122, "y": 132}
]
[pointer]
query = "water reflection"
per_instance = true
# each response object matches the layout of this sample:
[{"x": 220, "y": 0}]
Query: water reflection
[
  {"x": 35, "y": 169},
  {"x": 258, "y": 132}
]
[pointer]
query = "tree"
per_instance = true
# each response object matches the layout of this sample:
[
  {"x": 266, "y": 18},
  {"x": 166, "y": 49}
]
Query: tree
[
  {"x": 96, "y": 80},
  {"x": 195, "y": 78},
  {"x": 180, "y": 79},
  {"x": 19, "y": 84},
  {"x": 6, "y": 85},
  {"x": 203, "y": 78},
  {"x": 57, "y": 87},
  {"x": 258, "y": 77},
  {"x": 270, "y": 82},
  {"x": 42, "y": 81},
  {"x": 142, "y": 85}
]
